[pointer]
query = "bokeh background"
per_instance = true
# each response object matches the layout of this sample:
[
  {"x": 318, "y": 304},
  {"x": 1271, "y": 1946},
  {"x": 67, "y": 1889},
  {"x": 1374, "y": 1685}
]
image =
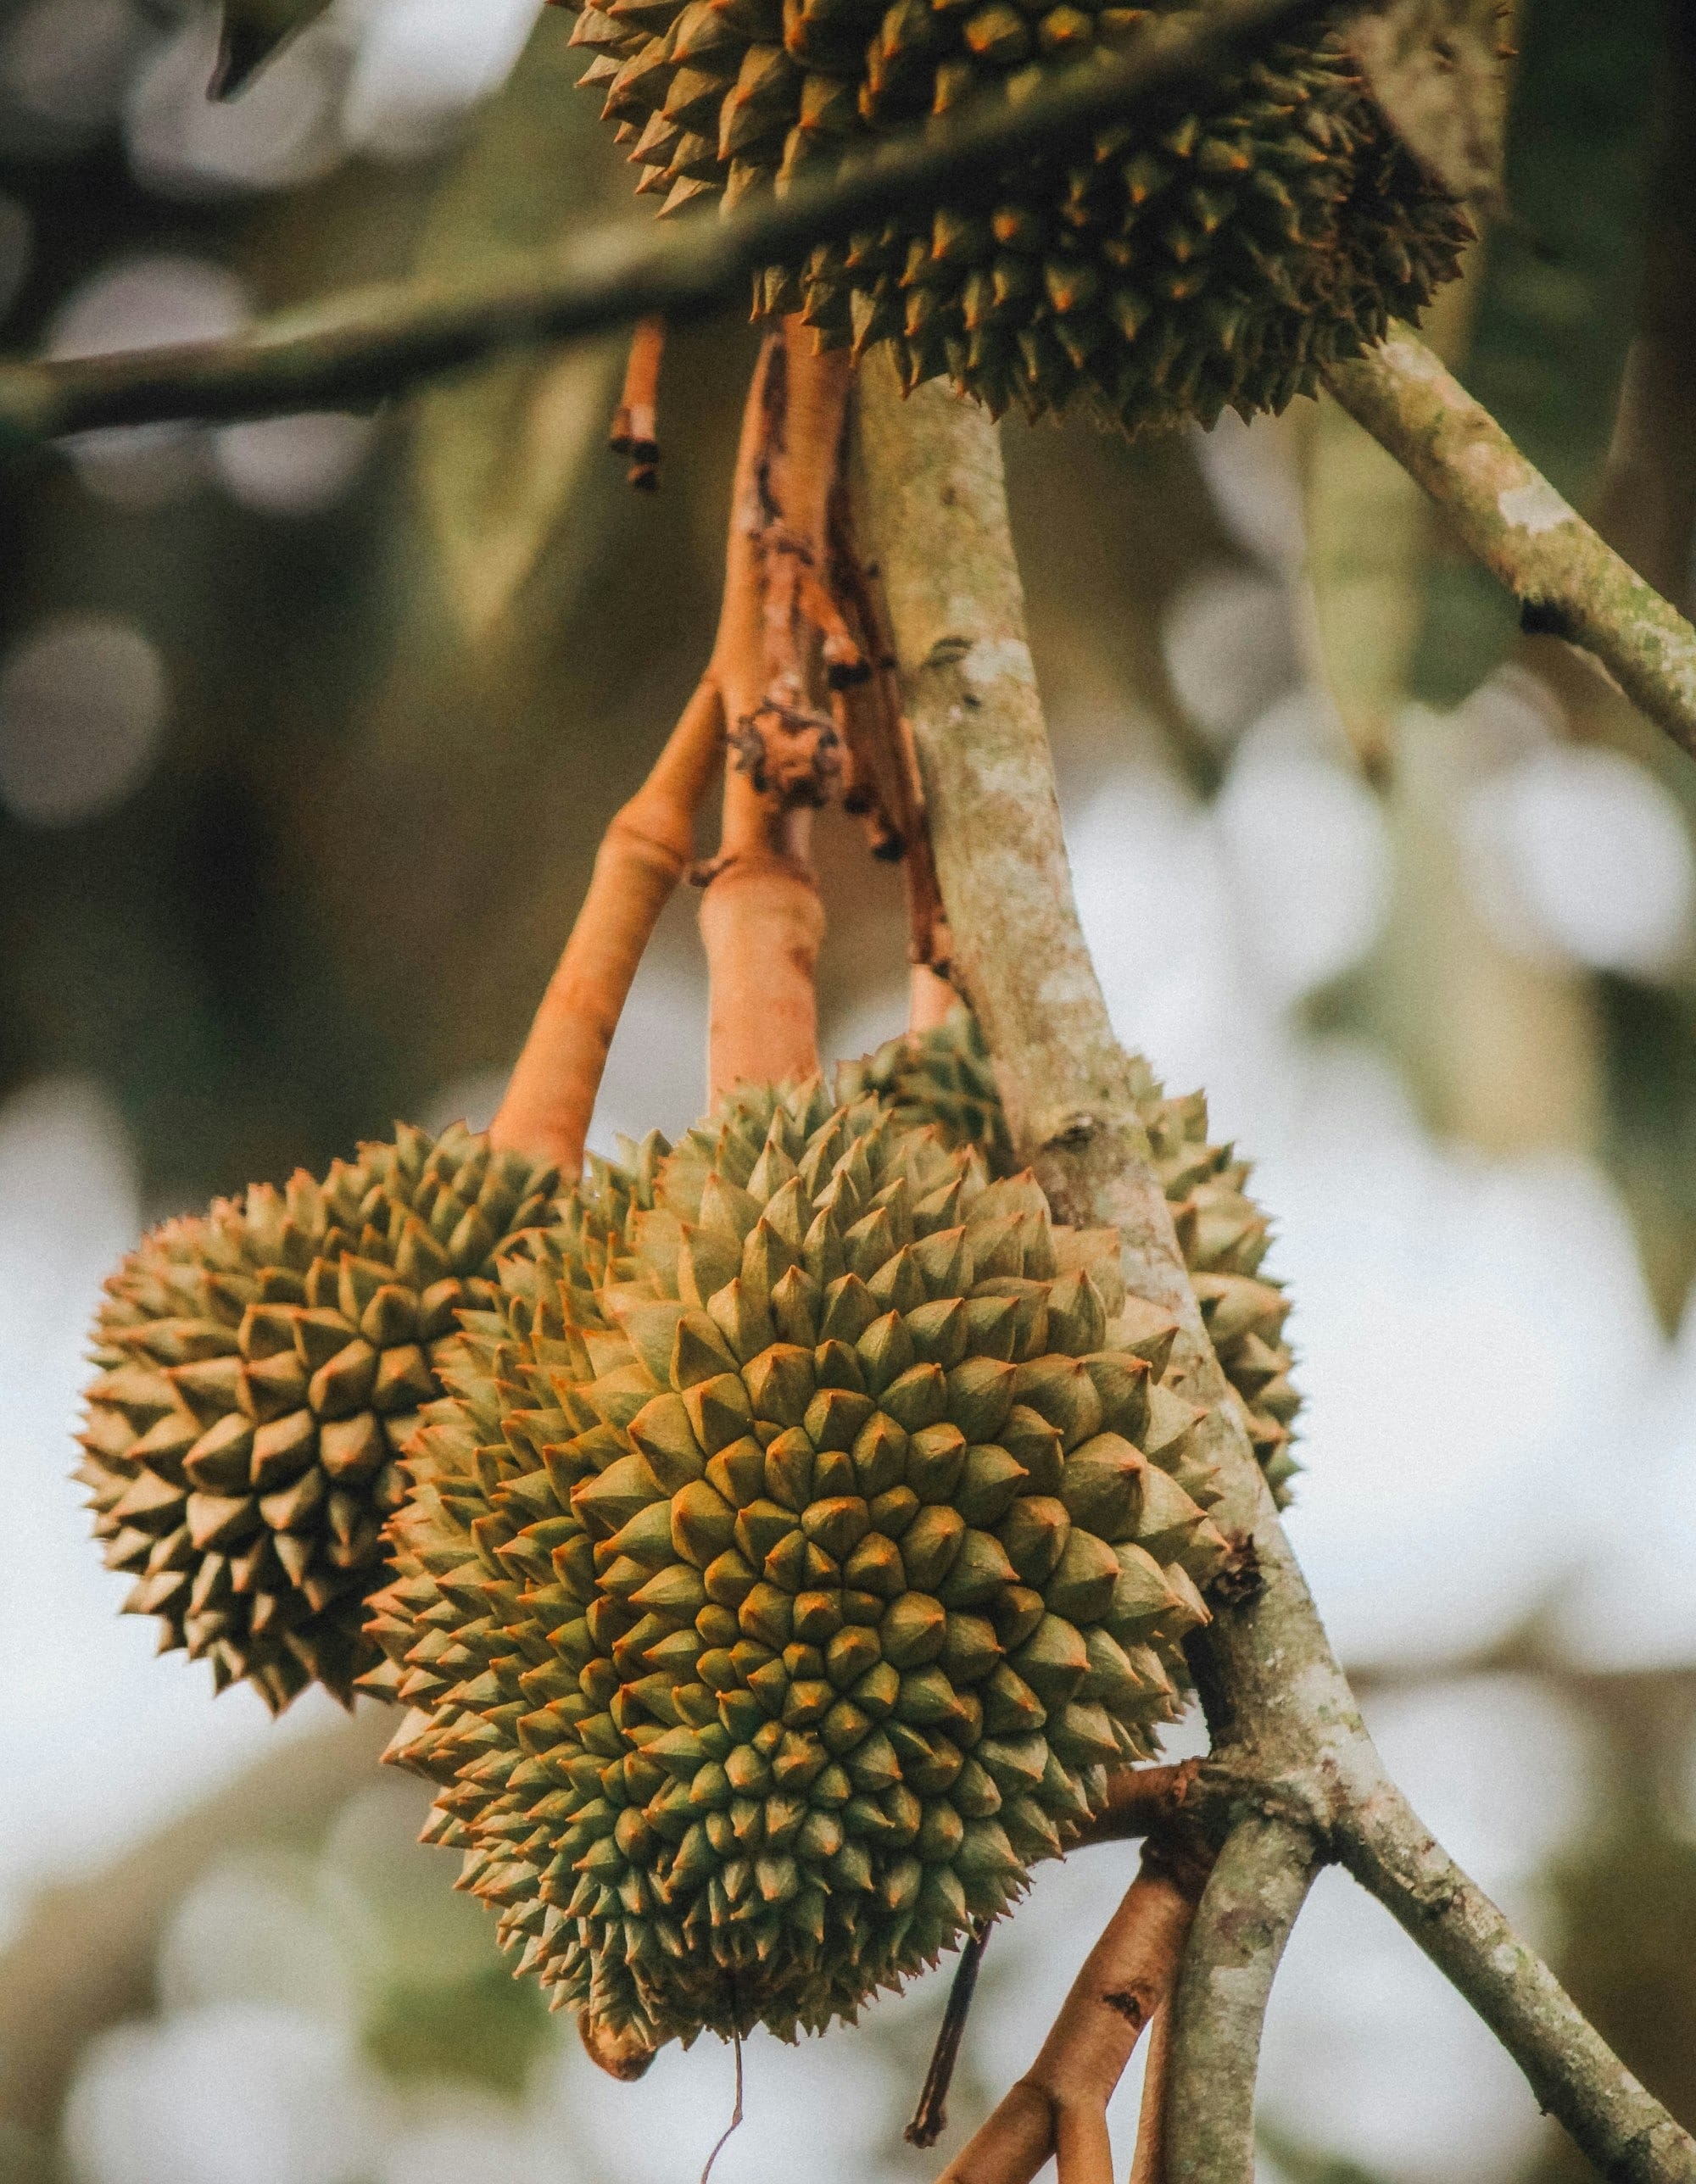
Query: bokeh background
[{"x": 307, "y": 732}]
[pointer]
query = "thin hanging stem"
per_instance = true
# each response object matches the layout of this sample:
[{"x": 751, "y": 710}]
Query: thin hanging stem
[
  {"x": 735, "y": 2113},
  {"x": 930, "y": 2117}
]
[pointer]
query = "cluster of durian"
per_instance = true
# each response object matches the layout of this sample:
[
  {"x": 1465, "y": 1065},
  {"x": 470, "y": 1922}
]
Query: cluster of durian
[
  {"x": 261, "y": 1366},
  {"x": 945, "y": 1078},
  {"x": 1211, "y": 256},
  {"x": 805, "y": 1533}
]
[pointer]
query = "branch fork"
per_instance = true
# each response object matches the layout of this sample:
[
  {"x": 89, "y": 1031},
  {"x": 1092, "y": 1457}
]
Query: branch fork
[{"x": 918, "y": 702}]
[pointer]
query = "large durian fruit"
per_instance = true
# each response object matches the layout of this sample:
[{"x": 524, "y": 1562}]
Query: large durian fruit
[
  {"x": 261, "y": 1365},
  {"x": 1211, "y": 254},
  {"x": 804, "y": 1537},
  {"x": 944, "y": 1077}
]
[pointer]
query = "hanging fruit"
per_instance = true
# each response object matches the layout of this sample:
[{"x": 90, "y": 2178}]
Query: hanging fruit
[{"x": 1207, "y": 255}]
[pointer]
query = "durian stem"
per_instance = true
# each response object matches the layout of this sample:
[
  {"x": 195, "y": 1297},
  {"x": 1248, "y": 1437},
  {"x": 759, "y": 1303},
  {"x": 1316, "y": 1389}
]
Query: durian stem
[
  {"x": 779, "y": 631},
  {"x": 1141, "y": 1798},
  {"x": 645, "y": 853},
  {"x": 930, "y": 1000},
  {"x": 636, "y": 421},
  {"x": 1568, "y": 582},
  {"x": 1059, "y": 2107},
  {"x": 1287, "y": 1729},
  {"x": 1149, "y": 2167},
  {"x": 761, "y": 922}
]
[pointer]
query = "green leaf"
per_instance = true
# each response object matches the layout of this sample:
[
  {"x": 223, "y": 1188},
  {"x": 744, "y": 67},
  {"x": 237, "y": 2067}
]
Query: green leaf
[{"x": 500, "y": 457}]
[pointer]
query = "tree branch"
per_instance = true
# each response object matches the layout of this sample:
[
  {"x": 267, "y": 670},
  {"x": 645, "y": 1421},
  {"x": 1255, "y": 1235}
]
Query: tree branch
[
  {"x": 1576, "y": 2075},
  {"x": 1568, "y": 582},
  {"x": 381, "y": 340},
  {"x": 1258, "y": 1889},
  {"x": 1285, "y": 1724}
]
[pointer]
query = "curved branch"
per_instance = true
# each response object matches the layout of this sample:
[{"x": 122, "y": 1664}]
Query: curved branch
[
  {"x": 1258, "y": 1889},
  {"x": 1574, "y": 2073},
  {"x": 381, "y": 340},
  {"x": 1569, "y": 583}
]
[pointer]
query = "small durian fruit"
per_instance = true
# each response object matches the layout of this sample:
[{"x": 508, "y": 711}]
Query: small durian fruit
[
  {"x": 1211, "y": 253},
  {"x": 786, "y": 1567},
  {"x": 944, "y": 1077},
  {"x": 260, "y": 1366}
]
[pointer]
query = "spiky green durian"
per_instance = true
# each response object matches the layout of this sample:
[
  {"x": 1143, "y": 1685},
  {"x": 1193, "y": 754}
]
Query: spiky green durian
[
  {"x": 945, "y": 1077},
  {"x": 1208, "y": 256},
  {"x": 802, "y": 1540},
  {"x": 261, "y": 1364}
]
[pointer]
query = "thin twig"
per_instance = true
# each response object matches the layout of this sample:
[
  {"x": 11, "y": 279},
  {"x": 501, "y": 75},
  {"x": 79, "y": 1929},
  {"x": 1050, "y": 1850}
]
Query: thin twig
[
  {"x": 735, "y": 2113},
  {"x": 636, "y": 421},
  {"x": 377, "y": 341},
  {"x": 1258, "y": 1889},
  {"x": 1568, "y": 582},
  {"x": 930, "y": 2117}
]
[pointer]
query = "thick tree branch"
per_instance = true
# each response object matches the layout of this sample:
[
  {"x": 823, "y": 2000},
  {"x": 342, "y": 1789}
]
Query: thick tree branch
[
  {"x": 1258, "y": 1889},
  {"x": 1568, "y": 582},
  {"x": 379, "y": 341},
  {"x": 1285, "y": 1726}
]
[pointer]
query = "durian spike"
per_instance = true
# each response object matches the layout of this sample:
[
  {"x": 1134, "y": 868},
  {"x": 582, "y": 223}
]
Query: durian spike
[
  {"x": 636, "y": 421},
  {"x": 646, "y": 851},
  {"x": 1059, "y": 2107}
]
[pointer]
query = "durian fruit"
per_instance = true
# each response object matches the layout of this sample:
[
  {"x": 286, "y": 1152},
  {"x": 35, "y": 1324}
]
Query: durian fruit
[
  {"x": 802, "y": 1538},
  {"x": 261, "y": 1365},
  {"x": 944, "y": 1077},
  {"x": 1207, "y": 255}
]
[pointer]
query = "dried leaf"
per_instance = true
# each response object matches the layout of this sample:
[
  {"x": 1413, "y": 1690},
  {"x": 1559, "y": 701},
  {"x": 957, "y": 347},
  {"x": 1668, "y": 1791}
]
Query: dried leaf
[
  {"x": 499, "y": 456},
  {"x": 1437, "y": 69}
]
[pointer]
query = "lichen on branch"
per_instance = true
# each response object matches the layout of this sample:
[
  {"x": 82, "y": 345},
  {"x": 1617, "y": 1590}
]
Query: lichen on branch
[{"x": 1570, "y": 583}]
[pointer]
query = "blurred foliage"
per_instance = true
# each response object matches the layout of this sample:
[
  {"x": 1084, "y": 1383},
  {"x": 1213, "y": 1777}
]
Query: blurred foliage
[
  {"x": 1626, "y": 1905},
  {"x": 1556, "y": 306},
  {"x": 487, "y": 2027}
]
